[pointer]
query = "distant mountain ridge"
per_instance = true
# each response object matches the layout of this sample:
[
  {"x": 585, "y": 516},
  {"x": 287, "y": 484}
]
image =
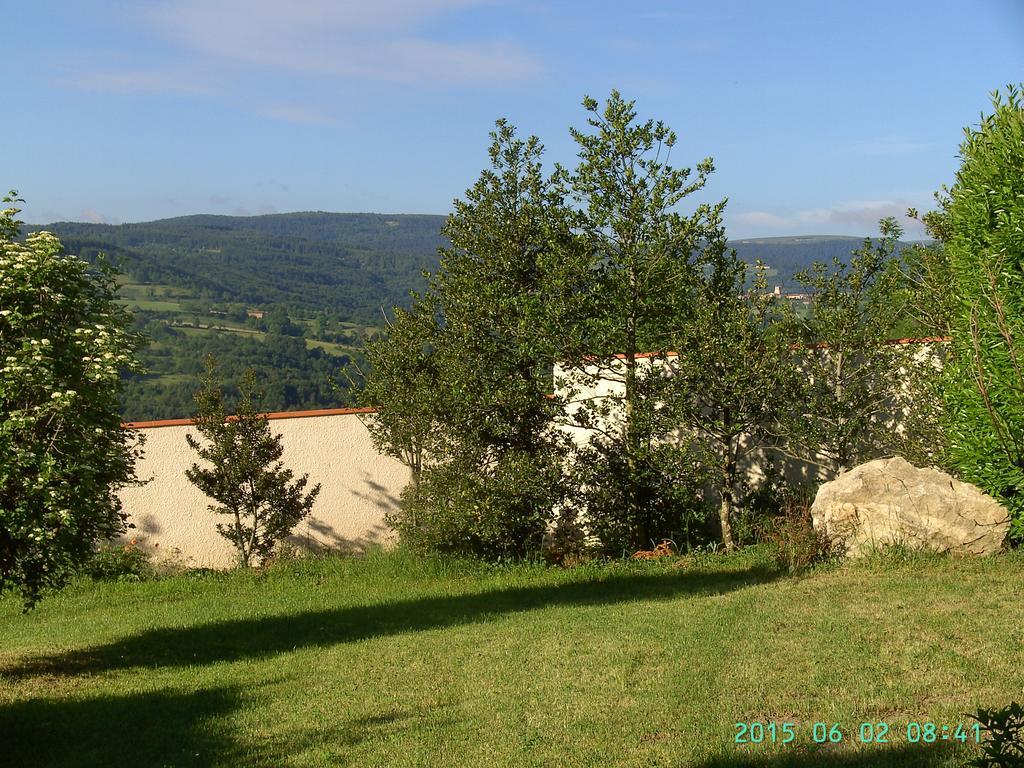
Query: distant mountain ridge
[
  {"x": 352, "y": 264},
  {"x": 349, "y": 263}
]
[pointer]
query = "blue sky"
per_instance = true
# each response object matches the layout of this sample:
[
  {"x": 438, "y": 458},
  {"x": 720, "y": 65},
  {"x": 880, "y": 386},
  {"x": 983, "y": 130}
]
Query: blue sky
[{"x": 821, "y": 116}]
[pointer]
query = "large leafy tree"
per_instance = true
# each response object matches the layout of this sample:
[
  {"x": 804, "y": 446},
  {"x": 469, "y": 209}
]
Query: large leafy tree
[
  {"x": 981, "y": 223},
  {"x": 472, "y": 363},
  {"x": 642, "y": 251},
  {"x": 64, "y": 342}
]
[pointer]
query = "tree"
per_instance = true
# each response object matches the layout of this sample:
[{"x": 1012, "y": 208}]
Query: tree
[
  {"x": 402, "y": 387},
  {"x": 853, "y": 377},
  {"x": 733, "y": 374},
  {"x": 642, "y": 254},
  {"x": 246, "y": 476},
  {"x": 981, "y": 224},
  {"x": 467, "y": 372},
  {"x": 64, "y": 341}
]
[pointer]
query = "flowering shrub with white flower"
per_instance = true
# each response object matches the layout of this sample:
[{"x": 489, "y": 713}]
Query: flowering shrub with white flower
[{"x": 63, "y": 454}]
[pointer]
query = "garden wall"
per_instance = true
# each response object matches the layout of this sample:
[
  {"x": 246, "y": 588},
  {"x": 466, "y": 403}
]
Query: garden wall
[
  {"x": 607, "y": 383},
  {"x": 359, "y": 487}
]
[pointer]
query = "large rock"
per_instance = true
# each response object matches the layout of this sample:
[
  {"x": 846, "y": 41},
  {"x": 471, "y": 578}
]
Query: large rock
[{"x": 890, "y": 501}]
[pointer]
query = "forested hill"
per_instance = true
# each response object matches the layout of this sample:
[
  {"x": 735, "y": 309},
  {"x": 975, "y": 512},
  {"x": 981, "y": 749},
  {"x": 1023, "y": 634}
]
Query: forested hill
[
  {"x": 788, "y": 255},
  {"x": 351, "y": 264},
  {"x": 293, "y": 296}
]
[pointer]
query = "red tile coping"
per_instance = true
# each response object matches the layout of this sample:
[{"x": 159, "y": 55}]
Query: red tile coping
[
  {"x": 274, "y": 415},
  {"x": 350, "y": 411},
  {"x": 924, "y": 340}
]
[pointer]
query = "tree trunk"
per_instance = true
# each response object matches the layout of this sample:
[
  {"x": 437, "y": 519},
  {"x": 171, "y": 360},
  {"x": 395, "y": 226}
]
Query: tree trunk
[
  {"x": 842, "y": 455},
  {"x": 724, "y": 511},
  {"x": 632, "y": 443},
  {"x": 725, "y": 508}
]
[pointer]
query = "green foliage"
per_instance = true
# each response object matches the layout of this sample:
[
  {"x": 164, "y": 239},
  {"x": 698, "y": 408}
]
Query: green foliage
[
  {"x": 462, "y": 381},
  {"x": 733, "y": 374},
  {"x": 641, "y": 253},
  {"x": 245, "y": 476},
  {"x": 404, "y": 386},
  {"x": 499, "y": 511},
  {"x": 119, "y": 562},
  {"x": 932, "y": 301},
  {"x": 853, "y": 378},
  {"x": 982, "y": 225},
  {"x": 666, "y": 485},
  {"x": 64, "y": 341},
  {"x": 1004, "y": 737}
]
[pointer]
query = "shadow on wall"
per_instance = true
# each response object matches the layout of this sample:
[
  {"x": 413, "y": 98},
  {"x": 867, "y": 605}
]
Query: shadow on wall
[
  {"x": 171, "y": 727},
  {"x": 378, "y": 495},
  {"x": 320, "y": 537},
  {"x": 267, "y": 636}
]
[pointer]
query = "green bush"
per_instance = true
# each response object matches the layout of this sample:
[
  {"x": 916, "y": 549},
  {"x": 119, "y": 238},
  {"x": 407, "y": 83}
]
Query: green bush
[
  {"x": 1003, "y": 746},
  {"x": 497, "y": 512},
  {"x": 64, "y": 344},
  {"x": 119, "y": 562},
  {"x": 980, "y": 226},
  {"x": 668, "y": 493}
]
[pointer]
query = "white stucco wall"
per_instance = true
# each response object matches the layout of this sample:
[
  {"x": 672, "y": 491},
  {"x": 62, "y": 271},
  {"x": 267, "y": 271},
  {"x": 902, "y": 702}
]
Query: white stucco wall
[
  {"x": 606, "y": 384},
  {"x": 358, "y": 487}
]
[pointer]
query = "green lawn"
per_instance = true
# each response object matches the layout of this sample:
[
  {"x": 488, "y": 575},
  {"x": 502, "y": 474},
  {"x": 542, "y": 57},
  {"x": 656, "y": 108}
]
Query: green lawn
[{"x": 396, "y": 661}]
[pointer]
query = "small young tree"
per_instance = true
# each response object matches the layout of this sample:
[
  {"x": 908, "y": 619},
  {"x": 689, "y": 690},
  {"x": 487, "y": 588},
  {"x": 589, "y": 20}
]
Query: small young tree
[
  {"x": 733, "y": 374},
  {"x": 246, "y": 476},
  {"x": 853, "y": 378},
  {"x": 402, "y": 387},
  {"x": 64, "y": 341}
]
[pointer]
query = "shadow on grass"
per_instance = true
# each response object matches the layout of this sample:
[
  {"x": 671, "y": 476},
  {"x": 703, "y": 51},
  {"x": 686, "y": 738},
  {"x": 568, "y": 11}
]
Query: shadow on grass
[
  {"x": 937, "y": 755},
  {"x": 166, "y": 728},
  {"x": 160, "y": 728},
  {"x": 261, "y": 637}
]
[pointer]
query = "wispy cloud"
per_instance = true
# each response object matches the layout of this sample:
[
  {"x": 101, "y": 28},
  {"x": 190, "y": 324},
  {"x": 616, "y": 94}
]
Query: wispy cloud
[
  {"x": 93, "y": 216},
  {"x": 383, "y": 41},
  {"x": 859, "y": 215},
  {"x": 263, "y": 56},
  {"x": 298, "y": 114}
]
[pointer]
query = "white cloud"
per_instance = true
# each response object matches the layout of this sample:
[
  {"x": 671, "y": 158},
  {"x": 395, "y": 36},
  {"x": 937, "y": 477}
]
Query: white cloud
[
  {"x": 93, "y": 216},
  {"x": 295, "y": 114},
  {"x": 853, "y": 215},
  {"x": 376, "y": 41},
  {"x": 181, "y": 80}
]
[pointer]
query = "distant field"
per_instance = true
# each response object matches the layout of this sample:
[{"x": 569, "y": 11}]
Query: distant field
[
  {"x": 329, "y": 346},
  {"x": 397, "y": 661}
]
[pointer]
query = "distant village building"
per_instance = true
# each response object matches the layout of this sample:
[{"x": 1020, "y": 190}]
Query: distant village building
[{"x": 257, "y": 313}]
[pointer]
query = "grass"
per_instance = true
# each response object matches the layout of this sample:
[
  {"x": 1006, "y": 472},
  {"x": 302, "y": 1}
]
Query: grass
[
  {"x": 331, "y": 347},
  {"x": 391, "y": 660}
]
